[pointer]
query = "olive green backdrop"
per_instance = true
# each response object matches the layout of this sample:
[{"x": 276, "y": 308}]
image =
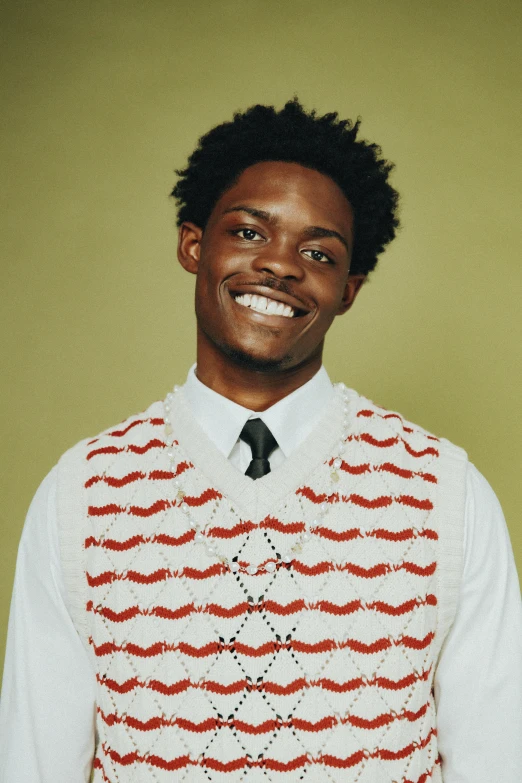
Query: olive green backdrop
[{"x": 102, "y": 101}]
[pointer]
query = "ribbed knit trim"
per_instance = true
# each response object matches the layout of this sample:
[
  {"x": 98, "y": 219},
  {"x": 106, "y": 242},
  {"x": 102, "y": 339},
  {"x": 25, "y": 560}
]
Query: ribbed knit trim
[
  {"x": 258, "y": 498},
  {"x": 451, "y": 500},
  {"x": 73, "y": 530}
]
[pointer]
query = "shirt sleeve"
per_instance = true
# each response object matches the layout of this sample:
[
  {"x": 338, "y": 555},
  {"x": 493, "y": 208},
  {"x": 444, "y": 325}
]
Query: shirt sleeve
[
  {"x": 47, "y": 708},
  {"x": 478, "y": 682}
]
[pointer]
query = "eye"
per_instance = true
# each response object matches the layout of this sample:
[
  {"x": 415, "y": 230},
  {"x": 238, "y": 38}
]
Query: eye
[
  {"x": 318, "y": 255},
  {"x": 247, "y": 233}
]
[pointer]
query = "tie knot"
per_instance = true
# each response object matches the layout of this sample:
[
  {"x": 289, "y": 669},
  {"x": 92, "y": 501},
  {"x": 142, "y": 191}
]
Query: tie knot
[{"x": 259, "y": 438}]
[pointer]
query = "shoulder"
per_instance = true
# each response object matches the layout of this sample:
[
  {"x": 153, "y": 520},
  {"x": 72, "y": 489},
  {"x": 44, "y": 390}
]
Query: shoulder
[
  {"x": 133, "y": 433},
  {"x": 373, "y": 422},
  {"x": 111, "y": 456},
  {"x": 486, "y": 528}
]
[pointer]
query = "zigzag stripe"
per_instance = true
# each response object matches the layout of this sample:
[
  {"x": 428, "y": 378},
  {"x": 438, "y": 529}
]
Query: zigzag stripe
[
  {"x": 150, "y": 759},
  {"x": 134, "y": 541},
  {"x": 267, "y": 686},
  {"x": 404, "y": 608},
  {"x": 245, "y": 527},
  {"x": 162, "y": 574},
  {"x": 112, "y": 481},
  {"x": 156, "y": 422},
  {"x": 267, "y": 727},
  {"x": 267, "y": 648},
  {"x": 217, "y": 569},
  {"x": 409, "y": 500},
  {"x": 364, "y": 436},
  {"x": 388, "y": 442},
  {"x": 205, "y": 497},
  {"x": 241, "y": 529},
  {"x": 268, "y": 606},
  {"x": 334, "y": 535},
  {"x": 139, "y": 511},
  {"x": 358, "y": 500},
  {"x": 380, "y": 569},
  {"x": 387, "y": 500},
  {"x": 403, "y": 535},
  {"x": 368, "y": 414},
  {"x": 387, "y": 467},
  {"x": 157, "y": 475},
  {"x": 137, "y": 475},
  {"x": 412, "y": 568},
  {"x": 381, "y": 533},
  {"x": 247, "y": 762},
  {"x": 272, "y": 523},
  {"x": 155, "y": 443},
  {"x": 379, "y": 753},
  {"x": 381, "y": 682},
  {"x": 112, "y": 509}
]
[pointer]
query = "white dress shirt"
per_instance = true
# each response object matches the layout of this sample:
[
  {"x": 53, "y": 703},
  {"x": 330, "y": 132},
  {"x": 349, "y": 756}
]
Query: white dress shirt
[{"x": 47, "y": 707}]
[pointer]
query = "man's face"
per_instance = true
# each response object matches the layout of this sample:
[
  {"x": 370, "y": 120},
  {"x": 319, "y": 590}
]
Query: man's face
[{"x": 272, "y": 266}]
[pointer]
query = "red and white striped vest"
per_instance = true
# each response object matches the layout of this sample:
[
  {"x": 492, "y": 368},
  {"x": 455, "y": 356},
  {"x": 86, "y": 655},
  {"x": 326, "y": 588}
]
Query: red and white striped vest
[{"x": 322, "y": 670}]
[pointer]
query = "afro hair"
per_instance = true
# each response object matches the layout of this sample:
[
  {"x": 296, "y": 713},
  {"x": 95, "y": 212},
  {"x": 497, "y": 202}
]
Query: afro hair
[{"x": 324, "y": 143}]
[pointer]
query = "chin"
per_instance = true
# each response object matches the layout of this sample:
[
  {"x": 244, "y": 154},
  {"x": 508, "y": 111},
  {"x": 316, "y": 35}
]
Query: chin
[{"x": 256, "y": 363}]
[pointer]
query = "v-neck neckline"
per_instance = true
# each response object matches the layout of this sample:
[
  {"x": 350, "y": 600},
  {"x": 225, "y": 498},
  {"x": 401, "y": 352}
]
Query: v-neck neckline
[{"x": 255, "y": 499}]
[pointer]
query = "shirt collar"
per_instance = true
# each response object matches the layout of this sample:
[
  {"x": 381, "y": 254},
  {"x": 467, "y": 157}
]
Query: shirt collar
[{"x": 290, "y": 420}]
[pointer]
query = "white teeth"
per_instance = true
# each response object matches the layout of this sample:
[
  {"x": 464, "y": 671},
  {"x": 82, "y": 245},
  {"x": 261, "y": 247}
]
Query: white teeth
[{"x": 262, "y": 304}]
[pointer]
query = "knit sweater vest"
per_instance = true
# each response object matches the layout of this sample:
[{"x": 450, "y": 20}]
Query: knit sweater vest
[{"x": 322, "y": 670}]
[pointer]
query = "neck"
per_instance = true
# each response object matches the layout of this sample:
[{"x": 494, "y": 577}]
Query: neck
[{"x": 256, "y": 390}]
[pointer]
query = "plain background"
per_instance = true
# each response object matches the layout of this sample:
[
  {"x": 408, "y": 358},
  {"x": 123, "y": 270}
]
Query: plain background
[{"x": 102, "y": 101}]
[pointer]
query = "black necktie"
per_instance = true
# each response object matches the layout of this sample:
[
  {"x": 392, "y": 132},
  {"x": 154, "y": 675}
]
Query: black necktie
[{"x": 262, "y": 442}]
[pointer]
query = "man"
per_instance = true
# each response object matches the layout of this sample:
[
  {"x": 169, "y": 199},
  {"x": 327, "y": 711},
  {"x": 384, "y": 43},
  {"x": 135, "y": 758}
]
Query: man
[{"x": 349, "y": 609}]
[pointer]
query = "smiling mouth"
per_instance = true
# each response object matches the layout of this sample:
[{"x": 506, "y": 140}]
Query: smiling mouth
[{"x": 265, "y": 305}]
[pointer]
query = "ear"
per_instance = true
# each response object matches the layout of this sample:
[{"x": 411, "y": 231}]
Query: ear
[
  {"x": 351, "y": 289},
  {"x": 189, "y": 246}
]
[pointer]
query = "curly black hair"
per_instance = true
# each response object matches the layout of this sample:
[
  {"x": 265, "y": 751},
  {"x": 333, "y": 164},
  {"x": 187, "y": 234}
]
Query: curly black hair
[{"x": 324, "y": 143}]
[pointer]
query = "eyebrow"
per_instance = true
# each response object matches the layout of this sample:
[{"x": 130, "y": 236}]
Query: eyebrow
[
  {"x": 312, "y": 232},
  {"x": 259, "y": 213},
  {"x": 318, "y": 231}
]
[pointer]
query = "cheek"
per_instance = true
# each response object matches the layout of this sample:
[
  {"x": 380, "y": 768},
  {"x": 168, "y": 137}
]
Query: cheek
[
  {"x": 329, "y": 299},
  {"x": 206, "y": 277},
  {"x": 209, "y": 292},
  {"x": 214, "y": 266},
  {"x": 205, "y": 310}
]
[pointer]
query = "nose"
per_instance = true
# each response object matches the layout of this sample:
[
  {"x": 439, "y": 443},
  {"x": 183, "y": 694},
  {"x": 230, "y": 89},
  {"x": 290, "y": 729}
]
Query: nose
[{"x": 280, "y": 260}]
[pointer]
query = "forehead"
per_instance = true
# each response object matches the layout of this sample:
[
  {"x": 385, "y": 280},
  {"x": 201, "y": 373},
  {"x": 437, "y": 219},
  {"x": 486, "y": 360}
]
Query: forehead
[{"x": 289, "y": 190}]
